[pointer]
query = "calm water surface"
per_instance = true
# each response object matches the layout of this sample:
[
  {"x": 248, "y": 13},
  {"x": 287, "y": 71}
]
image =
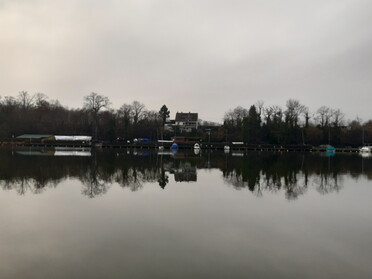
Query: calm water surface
[{"x": 133, "y": 214}]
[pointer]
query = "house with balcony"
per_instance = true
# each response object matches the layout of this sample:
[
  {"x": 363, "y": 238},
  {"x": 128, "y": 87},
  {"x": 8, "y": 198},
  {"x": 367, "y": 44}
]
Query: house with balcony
[{"x": 186, "y": 122}]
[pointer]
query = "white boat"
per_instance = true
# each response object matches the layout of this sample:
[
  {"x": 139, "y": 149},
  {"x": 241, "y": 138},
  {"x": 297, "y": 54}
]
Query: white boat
[
  {"x": 196, "y": 146},
  {"x": 226, "y": 148},
  {"x": 366, "y": 154},
  {"x": 365, "y": 149}
]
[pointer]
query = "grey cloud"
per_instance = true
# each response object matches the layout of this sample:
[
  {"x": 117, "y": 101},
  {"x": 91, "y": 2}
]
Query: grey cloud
[{"x": 205, "y": 56}]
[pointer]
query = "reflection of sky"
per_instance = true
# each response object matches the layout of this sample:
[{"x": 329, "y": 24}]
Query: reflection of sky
[{"x": 198, "y": 230}]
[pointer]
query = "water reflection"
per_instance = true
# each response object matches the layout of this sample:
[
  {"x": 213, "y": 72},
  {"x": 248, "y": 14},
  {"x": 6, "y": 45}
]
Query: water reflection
[
  {"x": 260, "y": 173},
  {"x": 58, "y": 151},
  {"x": 294, "y": 173}
]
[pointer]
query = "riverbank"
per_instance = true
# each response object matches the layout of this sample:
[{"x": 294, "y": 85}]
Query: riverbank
[{"x": 185, "y": 146}]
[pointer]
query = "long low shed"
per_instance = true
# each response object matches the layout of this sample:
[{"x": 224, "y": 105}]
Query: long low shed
[
  {"x": 73, "y": 138},
  {"x": 56, "y": 138}
]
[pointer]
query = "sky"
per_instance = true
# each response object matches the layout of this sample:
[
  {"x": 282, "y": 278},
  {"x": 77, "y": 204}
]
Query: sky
[{"x": 205, "y": 56}]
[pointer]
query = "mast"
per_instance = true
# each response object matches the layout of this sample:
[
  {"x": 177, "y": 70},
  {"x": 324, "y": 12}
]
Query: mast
[{"x": 329, "y": 135}]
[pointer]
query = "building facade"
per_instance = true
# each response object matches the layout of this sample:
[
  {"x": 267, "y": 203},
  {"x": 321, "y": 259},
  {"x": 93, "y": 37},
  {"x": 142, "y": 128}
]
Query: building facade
[{"x": 186, "y": 122}]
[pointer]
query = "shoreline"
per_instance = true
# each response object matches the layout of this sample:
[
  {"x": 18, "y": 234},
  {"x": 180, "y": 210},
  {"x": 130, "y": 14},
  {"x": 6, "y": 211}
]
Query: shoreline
[{"x": 184, "y": 146}]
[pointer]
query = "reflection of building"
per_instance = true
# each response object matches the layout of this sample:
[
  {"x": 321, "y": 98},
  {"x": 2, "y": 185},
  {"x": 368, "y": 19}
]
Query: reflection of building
[
  {"x": 58, "y": 151},
  {"x": 37, "y": 138},
  {"x": 185, "y": 175},
  {"x": 186, "y": 140},
  {"x": 184, "y": 172}
]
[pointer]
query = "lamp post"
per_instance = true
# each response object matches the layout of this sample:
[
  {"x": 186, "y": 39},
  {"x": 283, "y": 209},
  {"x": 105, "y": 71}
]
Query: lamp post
[{"x": 209, "y": 135}]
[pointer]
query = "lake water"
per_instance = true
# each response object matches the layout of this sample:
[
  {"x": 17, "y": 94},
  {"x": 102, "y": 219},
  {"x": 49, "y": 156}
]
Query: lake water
[{"x": 137, "y": 214}]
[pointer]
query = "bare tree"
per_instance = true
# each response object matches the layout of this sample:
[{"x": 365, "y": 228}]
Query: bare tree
[
  {"x": 260, "y": 107},
  {"x": 41, "y": 100},
  {"x": 293, "y": 112},
  {"x": 153, "y": 116},
  {"x": 8, "y": 104},
  {"x": 125, "y": 111},
  {"x": 124, "y": 115},
  {"x": 337, "y": 117},
  {"x": 235, "y": 117},
  {"x": 94, "y": 103},
  {"x": 307, "y": 117},
  {"x": 277, "y": 113},
  {"x": 268, "y": 114},
  {"x": 25, "y": 100},
  {"x": 138, "y": 110},
  {"x": 323, "y": 116}
]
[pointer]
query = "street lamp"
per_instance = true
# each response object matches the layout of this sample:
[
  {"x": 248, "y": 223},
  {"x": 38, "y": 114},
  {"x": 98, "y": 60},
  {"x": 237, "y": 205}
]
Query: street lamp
[{"x": 209, "y": 135}]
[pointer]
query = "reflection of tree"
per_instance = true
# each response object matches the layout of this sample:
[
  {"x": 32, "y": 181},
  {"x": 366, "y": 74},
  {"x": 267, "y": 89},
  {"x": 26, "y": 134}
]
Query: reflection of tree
[
  {"x": 258, "y": 190},
  {"x": 93, "y": 185},
  {"x": 95, "y": 180},
  {"x": 327, "y": 183},
  {"x": 244, "y": 173},
  {"x": 259, "y": 173},
  {"x": 328, "y": 176},
  {"x": 130, "y": 178},
  {"x": 23, "y": 186},
  {"x": 163, "y": 179},
  {"x": 289, "y": 172},
  {"x": 294, "y": 189}
]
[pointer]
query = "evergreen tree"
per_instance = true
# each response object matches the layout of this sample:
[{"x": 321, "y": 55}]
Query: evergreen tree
[
  {"x": 164, "y": 113},
  {"x": 252, "y": 126}
]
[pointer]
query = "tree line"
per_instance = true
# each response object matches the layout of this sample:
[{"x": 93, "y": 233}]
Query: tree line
[
  {"x": 258, "y": 124},
  {"x": 36, "y": 114},
  {"x": 295, "y": 124}
]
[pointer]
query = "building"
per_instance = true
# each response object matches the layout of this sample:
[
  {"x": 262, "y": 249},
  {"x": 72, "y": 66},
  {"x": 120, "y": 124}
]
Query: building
[
  {"x": 169, "y": 125},
  {"x": 37, "y": 138},
  {"x": 186, "y": 122}
]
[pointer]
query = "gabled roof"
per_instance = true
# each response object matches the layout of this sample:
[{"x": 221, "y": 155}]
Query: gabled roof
[{"x": 184, "y": 117}]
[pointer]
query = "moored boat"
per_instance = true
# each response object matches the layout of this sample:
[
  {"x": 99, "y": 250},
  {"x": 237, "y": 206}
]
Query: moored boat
[
  {"x": 330, "y": 148},
  {"x": 365, "y": 149}
]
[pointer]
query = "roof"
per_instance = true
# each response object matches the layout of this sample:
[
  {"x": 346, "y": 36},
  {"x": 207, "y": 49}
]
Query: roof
[
  {"x": 184, "y": 117},
  {"x": 33, "y": 136},
  {"x": 74, "y": 138},
  {"x": 34, "y": 153}
]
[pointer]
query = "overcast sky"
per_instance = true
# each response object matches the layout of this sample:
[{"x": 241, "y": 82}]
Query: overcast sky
[{"x": 205, "y": 56}]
